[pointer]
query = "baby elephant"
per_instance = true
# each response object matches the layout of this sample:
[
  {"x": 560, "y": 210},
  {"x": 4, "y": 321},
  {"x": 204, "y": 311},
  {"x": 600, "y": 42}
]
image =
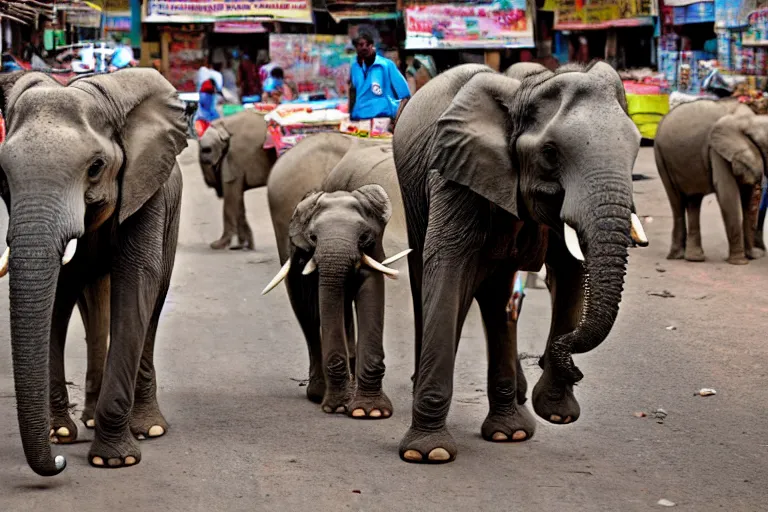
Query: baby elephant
[
  {"x": 710, "y": 146},
  {"x": 333, "y": 227}
]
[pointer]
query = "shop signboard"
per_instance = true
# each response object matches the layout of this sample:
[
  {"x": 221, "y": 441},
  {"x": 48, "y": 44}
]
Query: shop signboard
[
  {"x": 601, "y": 14},
  {"x": 505, "y": 24},
  {"x": 314, "y": 62},
  {"x": 239, "y": 27},
  {"x": 211, "y": 11}
]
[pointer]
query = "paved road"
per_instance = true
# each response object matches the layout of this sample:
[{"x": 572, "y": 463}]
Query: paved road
[{"x": 243, "y": 437}]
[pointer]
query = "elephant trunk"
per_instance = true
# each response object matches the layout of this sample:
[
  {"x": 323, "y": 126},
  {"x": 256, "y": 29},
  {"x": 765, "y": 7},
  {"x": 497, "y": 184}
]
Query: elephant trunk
[
  {"x": 34, "y": 266},
  {"x": 335, "y": 268},
  {"x": 604, "y": 231}
]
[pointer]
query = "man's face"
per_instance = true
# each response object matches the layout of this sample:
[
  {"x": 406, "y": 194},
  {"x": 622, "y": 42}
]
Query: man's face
[{"x": 364, "y": 48}]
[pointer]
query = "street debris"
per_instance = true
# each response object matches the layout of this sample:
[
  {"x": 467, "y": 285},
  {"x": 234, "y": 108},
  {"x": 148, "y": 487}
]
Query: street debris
[
  {"x": 660, "y": 270},
  {"x": 701, "y": 297},
  {"x": 665, "y": 503},
  {"x": 666, "y": 294},
  {"x": 302, "y": 382},
  {"x": 660, "y": 414},
  {"x": 671, "y": 328},
  {"x": 639, "y": 414},
  {"x": 705, "y": 392}
]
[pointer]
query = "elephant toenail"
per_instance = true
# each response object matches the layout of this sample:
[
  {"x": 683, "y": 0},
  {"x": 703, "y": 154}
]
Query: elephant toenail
[
  {"x": 499, "y": 436},
  {"x": 387, "y": 413},
  {"x": 141, "y": 437},
  {"x": 568, "y": 419},
  {"x": 555, "y": 418},
  {"x": 412, "y": 455},
  {"x": 341, "y": 409},
  {"x": 375, "y": 413},
  {"x": 62, "y": 432},
  {"x": 90, "y": 423},
  {"x": 156, "y": 431},
  {"x": 519, "y": 435},
  {"x": 97, "y": 461},
  {"x": 358, "y": 413},
  {"x": 327, "y": 408},
  {"x": 51, "y": 433},
  {"x": 115, "y": 462},
  {"x": 439, "y": 454},
  {"x": 130, "y": 461}
]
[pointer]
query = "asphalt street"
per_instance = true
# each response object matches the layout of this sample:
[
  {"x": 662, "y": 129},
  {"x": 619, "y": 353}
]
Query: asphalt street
[{"x": 243, "y": 437}]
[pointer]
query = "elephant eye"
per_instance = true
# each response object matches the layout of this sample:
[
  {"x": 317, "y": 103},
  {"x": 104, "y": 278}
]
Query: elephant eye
[
  {"x": 313, "y": 238},
  {"x": 206, "y": 150},
  {"x": 95, "y": 168},
  {"x": 549, "y": 155}
]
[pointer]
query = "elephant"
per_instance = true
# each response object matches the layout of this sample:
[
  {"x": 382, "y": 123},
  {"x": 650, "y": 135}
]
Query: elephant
[
  {"x": 500, "y": 175},
  {"x": 233, "y": 160},
  {"x": 93, "y": 190},
  {"x": 707, "y": 146},
  {"x": 521, "y": 70},
  {"x": 332, "y": 229}
]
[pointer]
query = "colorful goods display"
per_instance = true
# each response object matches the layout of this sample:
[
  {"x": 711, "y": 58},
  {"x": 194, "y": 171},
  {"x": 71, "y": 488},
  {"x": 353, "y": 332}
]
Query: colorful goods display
[
  {"x": 186, "y": 56},
  {"x": 602, "y": 14},
  {"x": 377, "y": 128},
  {"x": 315, "y": 63},
  {"x": 647, "y": 99},
  {"x": 505, "y": 24},
  {"x": 288, "y": 123}
]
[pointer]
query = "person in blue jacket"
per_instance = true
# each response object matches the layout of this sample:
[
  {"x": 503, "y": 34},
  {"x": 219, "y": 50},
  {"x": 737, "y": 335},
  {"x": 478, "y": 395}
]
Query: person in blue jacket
[{"x": 377, "y": 88}]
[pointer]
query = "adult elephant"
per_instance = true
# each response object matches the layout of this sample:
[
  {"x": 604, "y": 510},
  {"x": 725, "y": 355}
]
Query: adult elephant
[
  {"x": 90, "y": 174},
  {"x": 333, "y": 230},
  {"x": 710, "y": 146},
  {"x": 499, "y": 175},
  {"x": 233, "y": 160}
]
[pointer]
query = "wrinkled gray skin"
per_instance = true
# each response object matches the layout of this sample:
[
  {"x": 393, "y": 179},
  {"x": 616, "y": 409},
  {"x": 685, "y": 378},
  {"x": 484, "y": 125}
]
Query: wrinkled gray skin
[
  {"x": 521, "y": 70},
  {"x": 94, "y": 161},
  {"x": 233, "y": 160},
  {"x": 708, "y": 146},
  {"x": 490, "y": 169},
  {"x": 341, "y": 215}
]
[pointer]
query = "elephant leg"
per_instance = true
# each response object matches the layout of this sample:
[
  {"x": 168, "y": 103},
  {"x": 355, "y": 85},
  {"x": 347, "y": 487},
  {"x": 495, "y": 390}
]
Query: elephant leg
[
  {"x": 63, "y": 428},
  {"x": 677, "y": 203},
  {"x": 94, "y": 311},
  {"x": 302, "y": 293},
  {"x": 507, "y": 419},
  {"x": 730, "y": 199},
  {"x": 244, "y": 233},
  {"x": 759, "y": 240},
  {"x": 693, "y": 248},
  {"x": 447, "y": 298},
  {"x": 750, "y": 204},
  {"x": 141, "y": 271},
  {"x": 349, "y": 323},
  {"x": 369, "y": 399},
  {"x": 553, "y": 398},
  {"x": 233, "y": 194}
]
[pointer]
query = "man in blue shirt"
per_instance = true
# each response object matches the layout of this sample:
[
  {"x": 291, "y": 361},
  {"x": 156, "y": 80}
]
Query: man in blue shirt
[{"x": 377, "y": 88}]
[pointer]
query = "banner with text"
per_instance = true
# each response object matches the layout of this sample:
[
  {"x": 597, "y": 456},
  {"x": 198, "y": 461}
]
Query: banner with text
[
  {"x": 210, "y": 11},
  {"x": 492, "y": 25},
  {"x": 600, "y": 14}
]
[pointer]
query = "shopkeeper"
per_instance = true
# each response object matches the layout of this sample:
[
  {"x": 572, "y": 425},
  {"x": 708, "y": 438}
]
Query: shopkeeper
[{"x": 377, "y": 89}]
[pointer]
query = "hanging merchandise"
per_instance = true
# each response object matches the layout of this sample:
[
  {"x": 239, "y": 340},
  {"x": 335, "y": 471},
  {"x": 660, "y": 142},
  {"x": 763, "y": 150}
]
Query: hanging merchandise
[
  {"x": 315, "y": 63},
  {"x": 505, "y": 24}
]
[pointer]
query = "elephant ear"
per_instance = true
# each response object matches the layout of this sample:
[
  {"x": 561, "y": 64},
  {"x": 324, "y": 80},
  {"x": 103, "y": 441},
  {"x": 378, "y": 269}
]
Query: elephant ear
[
  {"x": 729, "y": 139},
  {"x": 148, "y": 118},
  {"x": 472, "y": 141},
  {"x": 376, "y": 202},
  {"x": 300, "y": 219}
]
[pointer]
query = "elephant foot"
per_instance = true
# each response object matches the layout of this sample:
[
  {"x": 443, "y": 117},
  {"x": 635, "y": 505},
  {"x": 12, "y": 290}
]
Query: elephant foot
[
  {"x": 374, "y": 407},
  {"x": 738, "y": 259},
  {"x": 336, "y": 400},
  {"x": 516, "y": 426},
  {"x": 123, "y": 453},
  {"x": 63, "y": 429},
  {"x": 554, "y": 400},
  {"x": 755, "y": 253},
  {"x": 221, "y": 243},
  {"x": 89, "y": 411},
  {"x": 148, "y": 421},
  {"x": 432, "y": 447},
  {"x": 676, "y": 253},
  {"x": 316, "y": 389},
  {"x": 694, "y": 254}
]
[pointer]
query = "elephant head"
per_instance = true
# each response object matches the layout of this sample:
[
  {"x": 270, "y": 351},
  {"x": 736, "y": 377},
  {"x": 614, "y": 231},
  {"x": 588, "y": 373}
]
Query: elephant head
[
  {"x": 557, "y": 148},
  {"x": 214, "y": 145},
  {"x": 742, "y": 139},
  {"x": 75, "y": 158}
]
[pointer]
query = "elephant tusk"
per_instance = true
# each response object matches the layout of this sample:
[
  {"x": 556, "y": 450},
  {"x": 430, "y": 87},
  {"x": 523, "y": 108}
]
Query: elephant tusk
[
  {"x": 69, "y": 251},
  {"x": 396, "y": 257},
  {"x": 4, "y": 262},
  {"x": 389, "y": 272},
  {"x": 310, "y": 267},
  {"x": 278, "y": 278},
  {"x": 572, "y": 242},
  {"x": 637, "y": 232}
]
